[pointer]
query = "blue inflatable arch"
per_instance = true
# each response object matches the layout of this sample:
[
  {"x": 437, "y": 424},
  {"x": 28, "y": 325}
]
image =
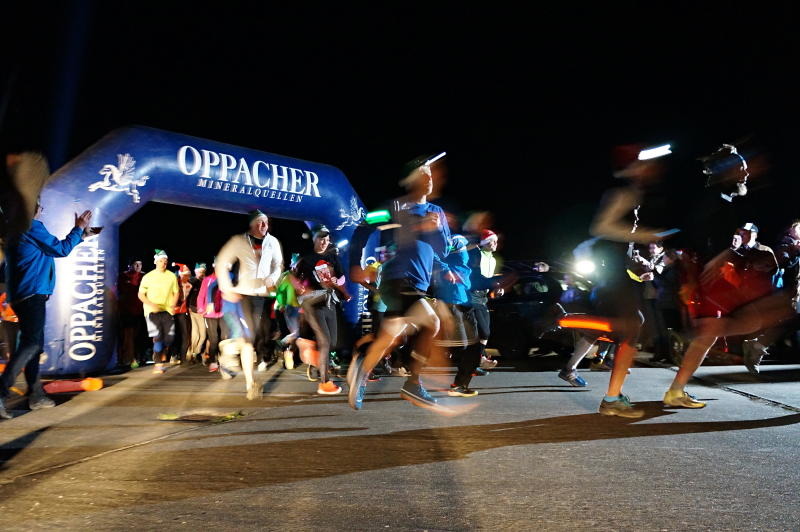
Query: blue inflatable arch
[{"x": 132, "y": 166}]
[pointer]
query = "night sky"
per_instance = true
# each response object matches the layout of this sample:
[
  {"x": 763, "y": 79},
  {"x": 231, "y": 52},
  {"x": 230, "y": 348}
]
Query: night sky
[{"x": 527, "y": 102}]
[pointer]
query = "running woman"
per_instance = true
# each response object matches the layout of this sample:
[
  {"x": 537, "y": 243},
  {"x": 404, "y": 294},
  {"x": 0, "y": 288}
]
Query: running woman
[{"x": 319, "y": 285}]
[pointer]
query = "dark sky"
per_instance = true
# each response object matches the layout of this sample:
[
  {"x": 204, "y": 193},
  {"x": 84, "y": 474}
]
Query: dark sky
[{"x": 527, "y": 102}]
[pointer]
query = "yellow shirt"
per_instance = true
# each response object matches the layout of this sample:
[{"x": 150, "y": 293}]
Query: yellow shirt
[{"x": 160, "y": 288}]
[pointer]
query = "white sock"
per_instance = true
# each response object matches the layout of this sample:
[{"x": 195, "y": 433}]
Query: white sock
[{"x": 582, "y": 348}]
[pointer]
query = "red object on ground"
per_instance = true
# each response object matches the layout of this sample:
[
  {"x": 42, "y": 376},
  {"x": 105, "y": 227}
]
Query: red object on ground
[{"x": 75, "y": 385}]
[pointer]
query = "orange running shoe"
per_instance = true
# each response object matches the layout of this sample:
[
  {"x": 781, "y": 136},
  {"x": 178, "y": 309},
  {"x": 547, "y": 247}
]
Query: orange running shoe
[{"x": 328, "y": 388}]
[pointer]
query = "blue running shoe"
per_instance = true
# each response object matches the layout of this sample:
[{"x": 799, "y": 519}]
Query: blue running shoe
[
  {"x": 573, "y": 378},
  {"x": 415, "y": 393},
  {"x": 356, "y": 382}
]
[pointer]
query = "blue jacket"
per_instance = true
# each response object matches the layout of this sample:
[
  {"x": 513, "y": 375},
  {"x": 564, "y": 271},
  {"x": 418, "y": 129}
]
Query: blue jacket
[
  {"x": 417, "y": 253},
  {"x": 30, "y": 268},
  {"x": 454, "y": 293}
]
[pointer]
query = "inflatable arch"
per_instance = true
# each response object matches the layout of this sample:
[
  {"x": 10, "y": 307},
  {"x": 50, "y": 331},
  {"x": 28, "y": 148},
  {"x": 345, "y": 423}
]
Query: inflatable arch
[{"x": 132, "y": 166}]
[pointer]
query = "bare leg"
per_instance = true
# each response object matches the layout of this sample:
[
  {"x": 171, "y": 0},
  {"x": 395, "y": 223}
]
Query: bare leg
[
  {"x": 692, "y": 359},
  {"x": 248, "y": 355},
  {"x": 622, "y": 363}
]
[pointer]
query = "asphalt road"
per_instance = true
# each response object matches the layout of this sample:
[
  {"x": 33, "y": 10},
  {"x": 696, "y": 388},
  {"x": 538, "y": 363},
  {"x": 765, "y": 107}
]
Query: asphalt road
[{"x": 187, "y": 451}]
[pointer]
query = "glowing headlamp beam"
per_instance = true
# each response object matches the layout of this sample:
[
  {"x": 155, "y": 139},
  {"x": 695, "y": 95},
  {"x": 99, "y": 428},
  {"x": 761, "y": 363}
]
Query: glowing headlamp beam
[
  {"x": 655, "y": 153},
  {"x": 434, "y": 159}
]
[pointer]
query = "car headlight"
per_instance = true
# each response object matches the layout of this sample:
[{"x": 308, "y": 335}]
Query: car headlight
[{"x": 585, "y": 267}]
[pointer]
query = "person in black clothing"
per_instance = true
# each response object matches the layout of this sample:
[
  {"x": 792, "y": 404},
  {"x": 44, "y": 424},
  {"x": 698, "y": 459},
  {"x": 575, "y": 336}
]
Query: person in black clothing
[
  {"x": 318, "y": 287},
  {"x": 668, "y": 312},
  {"x": 616, "y": 225}
]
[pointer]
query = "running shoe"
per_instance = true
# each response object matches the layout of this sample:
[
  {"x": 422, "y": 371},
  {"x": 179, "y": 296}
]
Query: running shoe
[
  {"x": 134, "y": 364},
  {"x": 600, "y": 365},
  {"x": 328, "y": 388},
  {"x": 372, "y": 377},
  {"x": 622, "y": 407},
  {"x": 288, "y": 359},
  {"x": 357, "y": 386},
  {"x": 158, "y": 369},
  {"x": 754, "y": 353},
  {"x": 479, "y": 372},
  {"x": 488, "y": 363},
  {"x": 213, "y": 367},
  {"x": 573, "y": 378},
  {"x": 334, "y": 361},
  {"x": 417, "y": 394},
  {"x": 254, "y": 391},
  {"x": 37, "y": 402},
  {"x": 262, "y": 366},
  {"x": 679, "y": 398},
  {"x": 401, "y": 372},
  {"x": 312, "y": 373},
  {"x": 462, "y": 391},
  {"x": 4, "y": 414}
]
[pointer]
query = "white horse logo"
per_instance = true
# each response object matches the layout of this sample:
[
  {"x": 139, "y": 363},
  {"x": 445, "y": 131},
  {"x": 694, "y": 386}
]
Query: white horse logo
[
  {"x": 353, "y": 217},
  {"x": 120, "y": 178}
]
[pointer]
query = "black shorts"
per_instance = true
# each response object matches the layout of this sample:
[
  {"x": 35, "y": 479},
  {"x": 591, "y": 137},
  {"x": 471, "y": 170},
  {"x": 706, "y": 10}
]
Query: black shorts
[
  {"x": 620, "y": 300},
  {"x": 399, "y": 295}
]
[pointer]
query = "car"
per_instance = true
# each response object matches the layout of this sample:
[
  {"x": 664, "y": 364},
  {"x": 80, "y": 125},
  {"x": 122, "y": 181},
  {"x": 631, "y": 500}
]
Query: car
[{"x": 524, "y": 317}]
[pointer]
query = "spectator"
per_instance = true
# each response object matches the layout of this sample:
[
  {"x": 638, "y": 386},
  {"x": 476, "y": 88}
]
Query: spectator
[
  {"x": 197, "y": 347},
  {"x": 183, "y": 325},
  {"x": 209, "y": 301},
  {"x": 131, "y": 316},
  {"x": 30, "y": 280},
  {"x": 159, "y": 294}
]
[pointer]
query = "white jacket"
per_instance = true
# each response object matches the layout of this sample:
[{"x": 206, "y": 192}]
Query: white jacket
[{"x": 255, "y": 279}]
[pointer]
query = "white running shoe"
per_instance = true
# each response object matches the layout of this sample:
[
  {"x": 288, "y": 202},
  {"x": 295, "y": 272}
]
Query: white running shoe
[
  {"x": 288, "y": 359},
  {"x": 262, "y": 367},
  {"x": 487, "y": 363}
]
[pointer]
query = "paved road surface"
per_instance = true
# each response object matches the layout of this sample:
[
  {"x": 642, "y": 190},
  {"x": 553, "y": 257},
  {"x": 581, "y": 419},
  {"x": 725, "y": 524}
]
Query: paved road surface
[{"x": 531, "y": 454}]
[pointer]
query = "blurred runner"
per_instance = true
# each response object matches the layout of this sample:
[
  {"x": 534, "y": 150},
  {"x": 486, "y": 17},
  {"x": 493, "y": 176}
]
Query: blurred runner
[
  {"x": 421, "y": 239},
  {"x": 616, "y": 224}
]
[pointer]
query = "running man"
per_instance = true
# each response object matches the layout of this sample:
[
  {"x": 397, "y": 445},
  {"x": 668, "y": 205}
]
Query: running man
[
  {"x": 421, "y": 240},
  {"x": 260, "y": 261},
  {"x": 159, "y": 295}
]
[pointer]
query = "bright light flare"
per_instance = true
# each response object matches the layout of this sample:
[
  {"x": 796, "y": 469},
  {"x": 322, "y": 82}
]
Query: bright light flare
[
  {"x": 434, "y": 159},
  {"x": 342, "y": 243},
  {"x": 655, "y": 153},
  {"x": 588, "y": 322},
  {"x": 585, "y": 267}
]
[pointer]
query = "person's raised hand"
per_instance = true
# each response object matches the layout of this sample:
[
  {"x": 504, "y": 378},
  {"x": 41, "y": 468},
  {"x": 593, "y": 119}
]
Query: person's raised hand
[{"x": 83, "y": 220}]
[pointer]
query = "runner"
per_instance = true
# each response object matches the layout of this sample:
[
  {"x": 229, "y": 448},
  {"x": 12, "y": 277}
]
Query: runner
[
  {"x": 260, "y": 263},
  {"x": 320, "y": 282},
  {"x": 421, "y": 239},
  {"x": 617, "y": 227},
  {"x": 459, "y": 331},
  {"x": 736, "y": 298},
  {"x": 159, "y": 294}
]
